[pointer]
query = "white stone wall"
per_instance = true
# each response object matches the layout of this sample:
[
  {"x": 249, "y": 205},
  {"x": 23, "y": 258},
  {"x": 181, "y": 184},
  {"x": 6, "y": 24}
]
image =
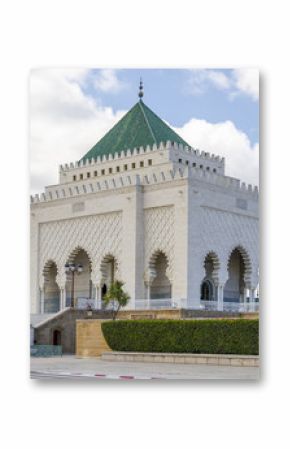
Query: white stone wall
[{"x": 184, "y": 213}]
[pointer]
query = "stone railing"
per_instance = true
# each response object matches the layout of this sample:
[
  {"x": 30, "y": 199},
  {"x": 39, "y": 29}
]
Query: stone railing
[{"x": 239, "y": 307}]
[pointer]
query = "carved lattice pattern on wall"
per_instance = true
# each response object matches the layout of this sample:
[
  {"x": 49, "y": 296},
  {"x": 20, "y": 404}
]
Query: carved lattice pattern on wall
[
  {"x": 159, "y": 234},
  {"x": 98, "y": 235},
  {"x": 224, "y": 231}
]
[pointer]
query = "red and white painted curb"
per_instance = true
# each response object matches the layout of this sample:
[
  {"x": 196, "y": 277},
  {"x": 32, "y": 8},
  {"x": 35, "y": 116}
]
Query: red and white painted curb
[{"x": 65, "y": 374}]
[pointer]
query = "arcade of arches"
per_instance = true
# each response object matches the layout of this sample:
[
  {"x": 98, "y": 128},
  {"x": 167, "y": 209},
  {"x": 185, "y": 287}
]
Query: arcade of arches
[
  {"x": 235, "y": 288},
  {"x": 158, "y": 287}
]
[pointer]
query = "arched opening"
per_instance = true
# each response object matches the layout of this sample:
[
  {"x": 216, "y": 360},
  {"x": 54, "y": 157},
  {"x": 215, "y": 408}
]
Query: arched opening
[
  {"x": 161, "y": 286},
  {"x": 56, "y": 337},
  {"x": 207, "y": 291},
  {"x": 51, "y": 292},
  {"x": 79, "y": 285},
  {"x": 104, "y": 290},
  {"x": 238, "y": 266},
  {"x": 211, "y": 267},
  {"x": 108, "y": 269}
]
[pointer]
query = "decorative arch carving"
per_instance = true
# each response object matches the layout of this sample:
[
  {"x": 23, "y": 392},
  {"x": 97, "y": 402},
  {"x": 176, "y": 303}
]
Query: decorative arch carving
[
  {"x": 151, "y": 273},
  {"x": 45, "y": 270},
  {"x": 248, "y": 270},
  {"x": 103, "y": 266},
  {"x": 216, "y": 266},
  {"x": 72, "y": 255}
]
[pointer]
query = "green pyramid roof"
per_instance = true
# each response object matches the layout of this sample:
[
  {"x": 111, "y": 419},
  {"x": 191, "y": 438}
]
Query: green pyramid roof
[{"x": 139, "y": 127}]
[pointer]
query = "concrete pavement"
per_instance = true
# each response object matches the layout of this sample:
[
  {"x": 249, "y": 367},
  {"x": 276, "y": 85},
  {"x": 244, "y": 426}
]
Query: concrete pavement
[{"x": 95, "y": 368}]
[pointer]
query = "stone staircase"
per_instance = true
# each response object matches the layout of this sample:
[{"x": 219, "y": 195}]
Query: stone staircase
[{"x": 64, "y": 322}]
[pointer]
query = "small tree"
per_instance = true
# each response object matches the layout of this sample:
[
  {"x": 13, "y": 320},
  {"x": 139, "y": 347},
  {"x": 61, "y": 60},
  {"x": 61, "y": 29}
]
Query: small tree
[{"x": 118, "y": 295}]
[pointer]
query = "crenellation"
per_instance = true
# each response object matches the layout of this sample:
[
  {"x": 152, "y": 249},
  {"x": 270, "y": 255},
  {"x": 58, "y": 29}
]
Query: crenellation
[{"x": 155, "y": 176}]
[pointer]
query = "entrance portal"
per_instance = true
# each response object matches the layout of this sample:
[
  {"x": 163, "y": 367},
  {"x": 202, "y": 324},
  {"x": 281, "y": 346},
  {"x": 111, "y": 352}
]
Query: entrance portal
[
  {"x": 206, "y": 291},
  {"x": 56, "y": 337}
]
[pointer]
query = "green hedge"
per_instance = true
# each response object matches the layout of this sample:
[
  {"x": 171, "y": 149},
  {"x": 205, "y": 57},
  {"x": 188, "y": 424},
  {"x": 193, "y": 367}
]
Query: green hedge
[{"x": 184, "y": 336}]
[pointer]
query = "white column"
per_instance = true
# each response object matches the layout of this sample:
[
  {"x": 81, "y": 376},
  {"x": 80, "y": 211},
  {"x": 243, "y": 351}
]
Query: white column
[
  {"x": 148, "y": 296},
  {"x": 245, "y": 298},
  {"x": 132, "y": 263},
  {"x": 252, "y": 299},
  {"x": 98, "y": 296},
  {"x": 220, "y": 297},
  {"x": 41, "y": 301},
  {"x": 62, "y": 298}
]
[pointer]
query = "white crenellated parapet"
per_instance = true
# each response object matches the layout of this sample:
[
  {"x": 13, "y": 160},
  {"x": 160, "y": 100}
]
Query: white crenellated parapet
[
  {"x": 154, "y": 175},
  {"x": 127, "y": 153}
]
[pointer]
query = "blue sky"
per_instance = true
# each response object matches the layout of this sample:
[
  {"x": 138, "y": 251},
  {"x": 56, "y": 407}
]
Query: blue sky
[
  {"x": 212, "y": 109},
  {"x": 171, "y": 94}
]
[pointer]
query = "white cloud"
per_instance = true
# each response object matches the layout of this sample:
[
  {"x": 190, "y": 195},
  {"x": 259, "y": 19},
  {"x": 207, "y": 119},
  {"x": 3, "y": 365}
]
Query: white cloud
[
  {"x": 237, "y": 82},
  {"x": 201, "y": 79},
  {"x": 64, "y": 122},
  {"x": 247, "y": 81},
  {"x": 219, "y": 79},
  {"x": 224, "y": 139},
  {"x": 107, "y": 81}
]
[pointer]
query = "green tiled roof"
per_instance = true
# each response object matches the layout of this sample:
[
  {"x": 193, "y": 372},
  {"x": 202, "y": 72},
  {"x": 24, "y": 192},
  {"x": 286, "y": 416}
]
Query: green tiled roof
[{"x": 139, "y": 127}]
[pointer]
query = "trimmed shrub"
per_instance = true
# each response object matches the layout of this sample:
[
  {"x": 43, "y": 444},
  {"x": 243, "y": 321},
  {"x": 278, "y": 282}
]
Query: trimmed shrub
[{"x": 238, "y": 336}]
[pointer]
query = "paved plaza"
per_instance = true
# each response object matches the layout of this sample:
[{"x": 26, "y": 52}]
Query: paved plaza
[{"x": 95, "y": 368}]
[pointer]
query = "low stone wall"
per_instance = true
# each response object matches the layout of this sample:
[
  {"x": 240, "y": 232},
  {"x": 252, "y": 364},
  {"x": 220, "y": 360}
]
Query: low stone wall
[
  {"x": 194, "y": 359},
  {"x": 65, "y": 323},
  {"x": 166, "y": 314},
  {"x": 90, "y": 341}
]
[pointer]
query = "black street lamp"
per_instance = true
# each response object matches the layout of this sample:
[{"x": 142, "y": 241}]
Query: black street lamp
[{"x": 73, "y": 268}]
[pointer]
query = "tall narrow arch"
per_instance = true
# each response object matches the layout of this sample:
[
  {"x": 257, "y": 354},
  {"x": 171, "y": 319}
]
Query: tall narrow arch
[
  {"x": 109, "y": 270},
  {"x": 51, "y": 291},
  {"x": 239, "y": 274},
  {"x": 160, "y": 287},
  {"x": 81, "y": 286},
  {"x": 211, "y": 265},
  {"x": 207, "y": 291}
]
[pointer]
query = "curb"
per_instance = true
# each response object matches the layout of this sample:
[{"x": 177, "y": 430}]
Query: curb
[
  {"x": 66, "y": 374},
  {"x": 194, "y": 359}
]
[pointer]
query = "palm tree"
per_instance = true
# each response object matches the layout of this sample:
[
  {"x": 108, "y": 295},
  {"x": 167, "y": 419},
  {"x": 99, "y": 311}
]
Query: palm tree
[{"x": 116, "y": 294}]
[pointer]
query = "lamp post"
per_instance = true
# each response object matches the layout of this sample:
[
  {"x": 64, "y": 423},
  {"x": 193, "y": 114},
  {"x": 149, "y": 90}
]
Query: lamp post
[{"x": 73, "y": 268}]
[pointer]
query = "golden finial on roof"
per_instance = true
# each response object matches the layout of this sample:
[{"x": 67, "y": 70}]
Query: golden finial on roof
[{"x": 141, "y": 93}]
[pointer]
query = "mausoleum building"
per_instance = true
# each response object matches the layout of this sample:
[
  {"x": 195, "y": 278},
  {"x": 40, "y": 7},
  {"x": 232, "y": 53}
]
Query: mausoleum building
[{"x": 145, "y": 207}]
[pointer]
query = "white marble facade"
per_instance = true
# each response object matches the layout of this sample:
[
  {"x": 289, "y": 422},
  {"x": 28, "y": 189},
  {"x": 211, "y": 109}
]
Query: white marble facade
[{"x": 165, "y": 219}]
